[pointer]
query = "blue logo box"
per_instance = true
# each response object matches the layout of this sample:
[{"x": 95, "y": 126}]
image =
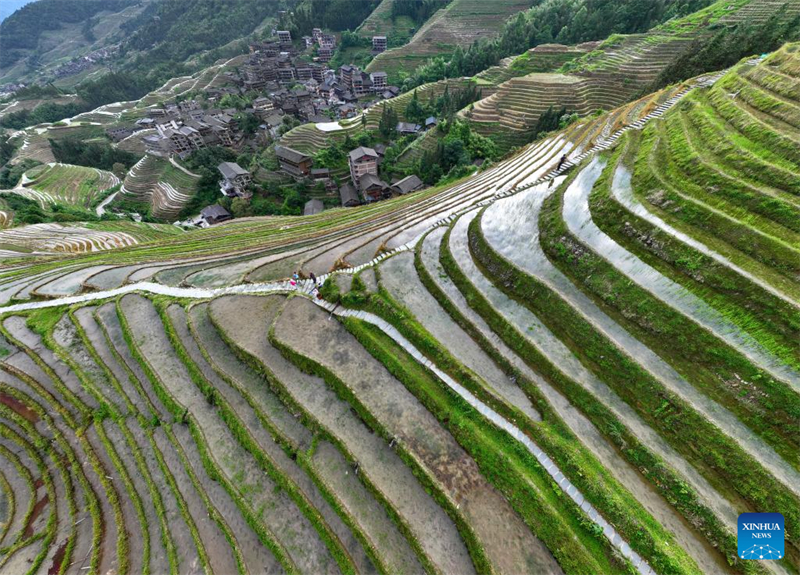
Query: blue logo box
[{"x": 761, "y": 536}]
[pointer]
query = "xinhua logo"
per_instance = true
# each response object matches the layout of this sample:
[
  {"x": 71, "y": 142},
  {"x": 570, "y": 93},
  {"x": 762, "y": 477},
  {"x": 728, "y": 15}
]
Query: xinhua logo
[{"x": 760, "y": 536}]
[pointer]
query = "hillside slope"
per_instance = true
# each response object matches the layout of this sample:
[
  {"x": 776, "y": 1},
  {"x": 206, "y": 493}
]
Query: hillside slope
[
  {"x": 43, "y": 35},
  {"x": 579, "y": 366},
  {"x": 460, "y": 23},
  {"x": 151, "y": 40},
  {"x": 616, "y": 71}
]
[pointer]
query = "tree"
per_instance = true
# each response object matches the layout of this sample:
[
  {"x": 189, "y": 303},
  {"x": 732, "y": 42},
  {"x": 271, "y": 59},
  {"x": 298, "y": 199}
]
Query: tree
[
  {"x": 387, "y": 126},
  {"x": 72, "y": 150},
  {"x": 415, "y": 111},
  {"x": 119, "y": 169},
  {"x": 240, "y": 207},
  {"x": 248, "y": 123}
]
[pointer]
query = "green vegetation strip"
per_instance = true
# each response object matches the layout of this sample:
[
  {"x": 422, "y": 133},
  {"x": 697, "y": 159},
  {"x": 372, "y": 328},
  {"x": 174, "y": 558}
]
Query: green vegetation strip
[
  {"x": 632, "y": 521},
  {"x": 666, "y": 481},
  {"x": 555, "y": 437},
  {"x": 36, "y": 449},
  {"x": 769, "y": 407},
  {"x": 130, "y": 492},
  {"x": 187, "y": 517},
  {"x": 43, "y": 324},
  {"x": 26, "y": 476},
  {"x": 230, "y": 537},
  {"x": 311, "y": 422},
  {"x": 181, "y": 415},
  {"x": 687, "y": 153},
  {"x": 158, "y": 503},
  {"x": 736, "y": 155},
  {"x": 716, "y": 456},
  {"x": 57, "y": 383},
  {"x": 10, "y": 501},
  {"x": 248, "y": 442},
  {"x": 476, "y": 551},
  {"x": 740, "y": 229},
  {"x": 68, "y": 466},
  {"x": 766, "y": 317},
  {"x": 294, "y": 451},
  {"x": 554, "y": 519}
]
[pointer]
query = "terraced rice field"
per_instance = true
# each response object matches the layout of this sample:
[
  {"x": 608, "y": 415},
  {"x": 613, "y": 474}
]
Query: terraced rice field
[
  {"x": 542, "y": 58},
  {"x": 50, "y": 239},
  {"x": 603, "y": 78},
  {"x": 63, "y": 183},
  {"x": 460, "y": 23},
  {"x": 159, "y": 186},
  {"x": 606, "y": 79},
  {"x": 380, "y": 23},
  {"x": 586, "y": 369}
]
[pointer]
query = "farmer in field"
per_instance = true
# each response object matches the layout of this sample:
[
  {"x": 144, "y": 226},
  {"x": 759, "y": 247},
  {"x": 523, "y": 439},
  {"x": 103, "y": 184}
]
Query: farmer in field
[{"x": 561, "y": 161}]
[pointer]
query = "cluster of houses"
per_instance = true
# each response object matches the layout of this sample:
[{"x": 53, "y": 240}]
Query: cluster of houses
[
  {"x": 269, "y": 63},
  {"x": 365, "y": 184},
  {"x": 290, "y": 86},
  {"x": 10, "y": 89},
  {"x": 81, "y": 63},
  {"x": 353, "y": 83},
  {"x": 317, "y": 92},
  {"x": 326, "y": 44},
  {"x": 183, "y": 128}
]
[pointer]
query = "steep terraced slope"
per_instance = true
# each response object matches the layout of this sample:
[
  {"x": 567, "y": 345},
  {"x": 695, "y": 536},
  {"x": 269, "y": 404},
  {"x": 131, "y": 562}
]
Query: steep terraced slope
[
  {"x": 159, "y": 186},
  {"x": 544, "y": 369},
  {"x": 311, "y": 138},
  {"x": 63, "y": 183},
  {"x": 460, "y": 23},
  {"x": 611, "y": 74},
  {"x": 48, "y": 239}
]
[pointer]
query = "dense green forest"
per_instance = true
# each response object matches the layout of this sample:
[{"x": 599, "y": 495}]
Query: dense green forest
[
  {"x": 46, "y": 112},
  {"x": 562, "y": 21},
  {"x": 337, "y": 15},
  {"x": 20, "y": 32},
  {"x": 176, "y": 30},
  {"x": 91, "y": 154},
  {"x": 112, "y": 87},
  {"x": 418, "y": 10},
  {"x": 456, "y": 148},
  {"x": 159, "y": 41}
]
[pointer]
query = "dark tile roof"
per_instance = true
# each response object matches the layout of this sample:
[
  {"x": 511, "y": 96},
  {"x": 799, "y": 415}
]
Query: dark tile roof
[
  {"x": 290, "y": 154},
  {"x": 214, "y": 211},
  {"x": 407, "y": 184},
  {"x": 362, "y": 151},
  {"x": 348, "y": 194},
  {"x": 313, "y": 207},
  {"x": 230, "y": 170},
  {"x": 369, "y": 180}
]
